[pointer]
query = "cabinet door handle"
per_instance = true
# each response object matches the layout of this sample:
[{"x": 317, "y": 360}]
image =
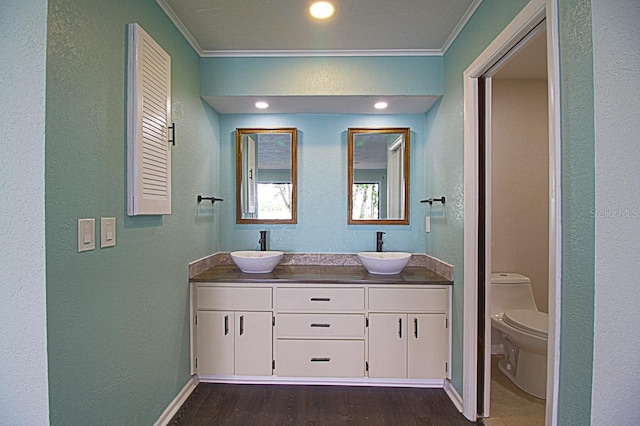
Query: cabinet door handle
[
  {"x": 242, "y": 325},
  {"x": 320, "y": 325},
  {"x": 320, "y": 359},
  {"x": 321, "y": 299},
  {"x": 415, "y": 327},
  {"x": 400, "y": 328},
  {"x": 226, "y": 325}
]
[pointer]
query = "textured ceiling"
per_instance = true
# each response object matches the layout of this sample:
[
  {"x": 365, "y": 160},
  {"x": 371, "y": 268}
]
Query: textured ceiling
[{"x": 227, "y": 26}]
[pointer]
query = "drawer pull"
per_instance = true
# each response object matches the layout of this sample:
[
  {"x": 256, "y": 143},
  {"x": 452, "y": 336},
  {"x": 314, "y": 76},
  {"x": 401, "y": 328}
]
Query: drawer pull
[
  {"x": 320, "y": 359},
  {"x": 226, "y": 325},
  {"x": 320, "y": 325},
  {"x": 400, "y": 328},
  {"x": 321, "y": 299},
  {"x": 415, "y": 327},
  {"x": 241, "y": 325}
]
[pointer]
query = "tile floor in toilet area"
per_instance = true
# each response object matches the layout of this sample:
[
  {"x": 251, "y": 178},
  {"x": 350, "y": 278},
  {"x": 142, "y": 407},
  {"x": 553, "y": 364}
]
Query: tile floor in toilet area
[{"x": 511, "y": 406}]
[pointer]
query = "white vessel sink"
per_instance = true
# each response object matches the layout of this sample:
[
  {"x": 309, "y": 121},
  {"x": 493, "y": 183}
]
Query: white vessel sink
[
  {"x": 256, "y": 262},
  {"x": 384, "y": 263}
]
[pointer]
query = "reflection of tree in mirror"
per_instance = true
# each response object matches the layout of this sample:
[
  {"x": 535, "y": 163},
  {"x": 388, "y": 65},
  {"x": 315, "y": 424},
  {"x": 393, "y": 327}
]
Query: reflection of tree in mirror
[
  {"x": 365, "y": 201},
  {"x": 274, "y": 200},
  {"x": 284, "y": 190}
]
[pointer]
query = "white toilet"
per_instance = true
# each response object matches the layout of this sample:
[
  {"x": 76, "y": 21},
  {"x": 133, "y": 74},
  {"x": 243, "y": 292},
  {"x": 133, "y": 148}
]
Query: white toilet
[{"x": 519, "y": 331}]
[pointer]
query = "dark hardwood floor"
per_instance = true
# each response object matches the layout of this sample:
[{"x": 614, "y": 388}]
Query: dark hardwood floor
[{"x": 248, "y": 405}]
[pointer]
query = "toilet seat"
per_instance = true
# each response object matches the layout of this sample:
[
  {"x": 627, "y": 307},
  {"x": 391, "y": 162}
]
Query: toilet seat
[{"x": 528, "y": 320}]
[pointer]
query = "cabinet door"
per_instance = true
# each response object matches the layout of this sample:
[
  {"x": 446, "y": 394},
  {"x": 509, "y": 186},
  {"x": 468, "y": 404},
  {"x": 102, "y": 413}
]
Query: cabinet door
[
  {"x": 428, "y": 346},
  {"x": 388, "y": 345},
  {"x": 214, "y": 353},
  {"x": 253, "y": 342}
]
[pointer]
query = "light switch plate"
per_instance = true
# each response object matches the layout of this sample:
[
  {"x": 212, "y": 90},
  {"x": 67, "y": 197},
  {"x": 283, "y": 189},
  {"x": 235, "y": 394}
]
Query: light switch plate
[
  {"x": 107, "y": 232},
  {"x": 86, "y": 234},
  {"x": 427, "y": 224}
]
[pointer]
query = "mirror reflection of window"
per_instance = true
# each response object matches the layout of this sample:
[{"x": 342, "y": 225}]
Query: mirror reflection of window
[
  {"x": 275, "y": 200},
  {"x": 380, "y": 157},
  {"x": 266, "y": 175}
]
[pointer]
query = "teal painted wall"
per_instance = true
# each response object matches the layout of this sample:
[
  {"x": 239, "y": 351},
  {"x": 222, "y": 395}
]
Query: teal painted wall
[
  {"x": 321, "y": 76},
  {"x": 117, "y": 318},
  {"x": 578, "y": 202},
  {"x": 444, "y": 155},
  {"x": 322, "y": 186}
]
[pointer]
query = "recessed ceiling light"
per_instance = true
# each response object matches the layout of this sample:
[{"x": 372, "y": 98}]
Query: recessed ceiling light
[
  {"x": 380, "y": 105},
  {"x": 261, "y": 105},
  {"x": 322, "y": 9}
]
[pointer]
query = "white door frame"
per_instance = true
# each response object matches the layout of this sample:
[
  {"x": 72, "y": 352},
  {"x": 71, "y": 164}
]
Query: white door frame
[{"x": 532, "y": 14}]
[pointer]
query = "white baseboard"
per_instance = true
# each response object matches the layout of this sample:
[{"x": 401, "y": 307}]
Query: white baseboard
[
  {"x": 177, "y": 402},
  {"x": 454, "y": 396}
]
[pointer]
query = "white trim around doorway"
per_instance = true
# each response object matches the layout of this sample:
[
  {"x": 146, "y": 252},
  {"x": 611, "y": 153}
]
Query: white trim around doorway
[{"x": 533, "y": 13}]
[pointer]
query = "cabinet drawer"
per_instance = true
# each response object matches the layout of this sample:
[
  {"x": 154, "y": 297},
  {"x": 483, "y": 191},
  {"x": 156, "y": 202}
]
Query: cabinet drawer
[
  {"x": 320, "y": 358},
  {"x": 320, "y": 325},
  {"x": 408, "y": 299},
  {"x": 234, "y": 298},
  {"x": 320, "y": 299}
]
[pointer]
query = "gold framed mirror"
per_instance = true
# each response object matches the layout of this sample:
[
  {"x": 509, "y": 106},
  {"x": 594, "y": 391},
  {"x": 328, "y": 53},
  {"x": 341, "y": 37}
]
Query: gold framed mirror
[
  {"x": 378, "y": 184},
  {"x": 266, "y": 175}
]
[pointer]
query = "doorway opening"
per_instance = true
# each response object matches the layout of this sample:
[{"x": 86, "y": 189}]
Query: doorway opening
[{"x": 513, "y": 234}]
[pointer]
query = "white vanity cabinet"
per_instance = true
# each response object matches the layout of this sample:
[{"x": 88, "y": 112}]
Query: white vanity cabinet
[
  {"x": 369, "y": 333},
  {"x": 408, "y": 333},
  {"x": 233, "y": 331}
]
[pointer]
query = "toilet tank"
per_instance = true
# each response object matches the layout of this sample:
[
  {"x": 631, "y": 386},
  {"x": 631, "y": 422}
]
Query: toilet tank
[{"x": 510, "y": 290}]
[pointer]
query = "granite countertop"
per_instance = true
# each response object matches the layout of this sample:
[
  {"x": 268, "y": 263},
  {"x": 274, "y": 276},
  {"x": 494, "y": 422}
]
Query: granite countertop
[{"x": 321, "y": 274}]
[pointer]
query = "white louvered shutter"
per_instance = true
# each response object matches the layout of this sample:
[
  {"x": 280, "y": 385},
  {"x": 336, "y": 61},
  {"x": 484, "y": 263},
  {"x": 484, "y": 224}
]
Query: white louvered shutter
[{"x": 148, "y": 121}]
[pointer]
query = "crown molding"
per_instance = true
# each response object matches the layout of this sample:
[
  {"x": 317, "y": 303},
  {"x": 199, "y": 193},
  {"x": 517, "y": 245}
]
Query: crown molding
[
  {"x": 179, "y": 25},
  {"x": 317, "y": 53},
  {"x": 458, "y": 29}
]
